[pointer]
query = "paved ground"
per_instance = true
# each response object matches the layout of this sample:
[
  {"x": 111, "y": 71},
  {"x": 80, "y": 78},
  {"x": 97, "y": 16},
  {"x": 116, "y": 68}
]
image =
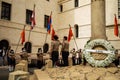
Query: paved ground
[
  {"x": 78, "y": 72},
  {"x": 4, "y": 73},
  {"x": 81, "y": 72}
]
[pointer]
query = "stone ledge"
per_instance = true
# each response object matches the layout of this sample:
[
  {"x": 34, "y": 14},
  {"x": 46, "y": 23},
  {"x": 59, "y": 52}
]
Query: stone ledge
[{"x": 41, "y": 75}]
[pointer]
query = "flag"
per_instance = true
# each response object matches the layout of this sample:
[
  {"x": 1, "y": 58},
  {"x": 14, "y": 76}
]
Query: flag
[
  {"x": 70, "y": 34},
  {"x": 33, "y": 22},
  {"x": 53, "y": 33},
  {"x": 49, "y": 23},
  {"x": 116, "y": 31},
  {"x": 23, "y": 36}
]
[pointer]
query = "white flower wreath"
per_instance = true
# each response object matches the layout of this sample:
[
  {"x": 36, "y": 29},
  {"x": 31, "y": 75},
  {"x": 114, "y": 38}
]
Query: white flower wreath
[{"x": 99, "y": 63}]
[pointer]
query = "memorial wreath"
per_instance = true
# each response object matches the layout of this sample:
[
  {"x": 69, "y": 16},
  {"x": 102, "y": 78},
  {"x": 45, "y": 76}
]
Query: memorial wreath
[{"x": 103, "y": 43}]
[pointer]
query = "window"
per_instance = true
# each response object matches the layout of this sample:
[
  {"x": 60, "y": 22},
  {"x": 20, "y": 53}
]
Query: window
[
  {"x": 28, "y": 16},
  {"x": 28, "y": 47},
  {"x": 76, "y": 3},
  {"x": 46, "y": 17},
  {"x": 119, "y": 9},
  {"x": 76, "y": 30},
  {"x": 6, "y": 11},
  {"x": 61, "y": 8}
]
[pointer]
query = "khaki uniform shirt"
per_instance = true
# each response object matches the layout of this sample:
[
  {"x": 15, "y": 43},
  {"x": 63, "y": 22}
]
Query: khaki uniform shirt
[
  {"x": 65, "y": 46},
  {"x": 55, "y": 45},
  {"x": 40, "y": 57}
]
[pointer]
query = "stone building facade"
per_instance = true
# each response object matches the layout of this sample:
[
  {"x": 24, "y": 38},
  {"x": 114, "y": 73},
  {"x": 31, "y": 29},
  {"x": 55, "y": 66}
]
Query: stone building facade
[{"x": 77, "y": 13}]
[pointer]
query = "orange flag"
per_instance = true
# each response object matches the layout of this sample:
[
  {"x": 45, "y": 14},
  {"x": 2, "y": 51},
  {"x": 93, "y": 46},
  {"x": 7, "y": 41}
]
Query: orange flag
[
  {"x": 70, "y": 34},
  {"x": 116, "y": 31},
  {"x": 53, "y": 33},
  {"x": 23, "y": 36}
]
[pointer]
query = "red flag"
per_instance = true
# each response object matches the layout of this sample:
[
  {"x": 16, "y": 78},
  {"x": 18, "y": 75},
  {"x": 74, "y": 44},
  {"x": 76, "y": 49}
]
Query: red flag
[
  {"x": 23, "y": 36},
  {"x": 116, "y": 31},
  {"x": 33, "y": 22},
  {"x": 70, "y": 34},
  {"x": 49, "y": 26},
  {"x": 53, "y": 33}
]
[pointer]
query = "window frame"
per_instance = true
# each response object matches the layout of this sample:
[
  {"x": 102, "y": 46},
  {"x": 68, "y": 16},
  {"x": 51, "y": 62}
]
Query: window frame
[
  {"x": 46, "y": 17},
  {"x": 76, "y": 27},
  {"x": 28, "y": 16},
  {"x": 6, "y": 11},
  {"x": 76, "y": 3},
  {"x": 61, "y": 8},
  {"x": 118, "y": 9}
]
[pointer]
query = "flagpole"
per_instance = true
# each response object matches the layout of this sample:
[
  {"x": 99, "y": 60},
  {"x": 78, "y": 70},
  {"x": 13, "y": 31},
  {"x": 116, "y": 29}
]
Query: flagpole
[
  {"x": 46, "y": 38},
  {"x": 47, "y": 27},
  {"x": 19, "y": 40},
  {"x": 74, "y": 38},
  {"x": 17, "y": 44},
  {"x": 32, "y": 22},
  {"x": 29, "y": 35},
  {"x": 75, "y": 42}
]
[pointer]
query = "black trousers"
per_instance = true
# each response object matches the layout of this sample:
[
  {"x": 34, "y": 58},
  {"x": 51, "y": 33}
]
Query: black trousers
[
  {"x": 65, "y": 55},
  {"x": 73, "y": 59},
  {"x": 12, "y": 62},
  {"x": 39, "y": 64},
  {"x": 54, "y": 56}
]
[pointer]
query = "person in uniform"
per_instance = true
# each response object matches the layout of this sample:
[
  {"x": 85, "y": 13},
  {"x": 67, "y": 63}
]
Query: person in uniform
[
  {"x": 73, "y": 52},
  {"x": 12, "y": 61},
  {"x": 40, "y": 60},
  {"x": 4, "y": 55},
  {"x": 65, "y": 50},
  {"x": 78, "y": 57},
  {"x": 24, "y": 55},
  {"x": 55, "y": 50}
]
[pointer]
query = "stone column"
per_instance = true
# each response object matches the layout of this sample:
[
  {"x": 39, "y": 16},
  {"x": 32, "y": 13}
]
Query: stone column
[{"x": 98, "y": 30}]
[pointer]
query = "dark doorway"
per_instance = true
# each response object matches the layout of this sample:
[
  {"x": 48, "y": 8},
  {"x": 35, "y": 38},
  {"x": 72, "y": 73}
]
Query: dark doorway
[
  {"x": 28, "y": 47},
  {"x": 4, "y": 43},
  {"x": 45, "y": 47}
]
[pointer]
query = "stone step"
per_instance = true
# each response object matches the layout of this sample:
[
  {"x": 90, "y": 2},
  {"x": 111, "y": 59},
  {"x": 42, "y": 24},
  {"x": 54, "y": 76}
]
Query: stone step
[{"x": 41, "y": 75}]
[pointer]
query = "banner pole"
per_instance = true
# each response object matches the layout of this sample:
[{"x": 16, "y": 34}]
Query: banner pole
[
  {"x": 74, "y": 39},
  {"x": 19, "y": 40}
]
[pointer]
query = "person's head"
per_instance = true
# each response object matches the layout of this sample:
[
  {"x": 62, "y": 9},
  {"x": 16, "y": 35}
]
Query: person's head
[
  {"x": 55, "y": 37},
  {"x": 39, "y": 50},
  {"x": 23, "y": 49},
  {"x": 12, "y": 51},
  {"x": 73, "y": 48},
  {"x": 80, "y": 50},
  {"x": 116, "y": 51},
  {"x": 65, "y": 38}
]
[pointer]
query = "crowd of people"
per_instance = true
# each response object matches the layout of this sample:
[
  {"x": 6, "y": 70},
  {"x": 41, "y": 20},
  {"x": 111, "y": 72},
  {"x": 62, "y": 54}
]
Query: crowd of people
[
  {"x": 59, "y": 54},
  {"x": 7, "y": 57}
]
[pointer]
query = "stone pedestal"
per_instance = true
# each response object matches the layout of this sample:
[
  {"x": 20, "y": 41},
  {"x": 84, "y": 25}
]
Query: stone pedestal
[
  {"x": 18, "y": 75},
  {"x": 20, "y": 66},
  {"x": 26, "y": 64},
  {"x": 48, "y": 63}
]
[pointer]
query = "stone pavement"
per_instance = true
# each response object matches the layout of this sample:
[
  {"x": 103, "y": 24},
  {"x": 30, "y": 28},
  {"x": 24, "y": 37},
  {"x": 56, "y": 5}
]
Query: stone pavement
[
  {"x": 81, "y": 72},
  {"x": 78, "y": 72},
  {"x": 4, "y": 73}
]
